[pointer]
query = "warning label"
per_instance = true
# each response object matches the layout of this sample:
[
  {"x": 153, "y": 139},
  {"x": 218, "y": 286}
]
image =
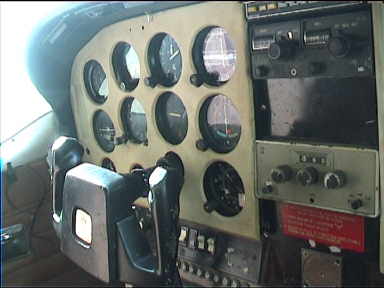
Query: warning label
[{"x": 332, "y": 228}]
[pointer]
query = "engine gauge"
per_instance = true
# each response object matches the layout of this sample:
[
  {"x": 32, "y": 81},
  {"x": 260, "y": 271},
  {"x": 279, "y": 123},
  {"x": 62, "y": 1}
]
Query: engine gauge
[
  {"x": 164, "y": 59},
  {"x": 134, "y": 120},
  {"x": 108, "y": 164},
  {"x": 220, "y": 124},
  {"x": 96, "y": 82},
  {"x": 104, "y": 131},
  {"x": 171, "y": 118},
  {"x": 126, "y": 66},
  {"x": 214, "y": 55},
  {"x": 223, "y": 189}
]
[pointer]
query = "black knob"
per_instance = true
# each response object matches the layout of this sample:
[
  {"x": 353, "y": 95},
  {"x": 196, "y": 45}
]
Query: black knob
[
  {"x": 268, "y": 188},
  {"x": 261, "y": 71},
  {"x": 150, "y": 82},
  {"x": 201, "y": 145},
  {"x": 356, "y": 204},
  {"x": 280, "y": 50},
  {"x": 307, "y": 176},
  {"x": 196, "y": 80},
  {"x": 316, "y": 68},
  {"x": 334, "y": 180},
  {"x": 210, "y": 206},
  {"x": 339, "y": 46},
  {"x": 281, "y": 174}
]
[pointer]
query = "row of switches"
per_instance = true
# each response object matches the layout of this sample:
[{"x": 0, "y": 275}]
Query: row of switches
[{"x": 193, "y": 237}]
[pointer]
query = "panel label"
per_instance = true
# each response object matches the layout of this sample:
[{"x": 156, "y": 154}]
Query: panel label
[{"x": 327, "y": 227}]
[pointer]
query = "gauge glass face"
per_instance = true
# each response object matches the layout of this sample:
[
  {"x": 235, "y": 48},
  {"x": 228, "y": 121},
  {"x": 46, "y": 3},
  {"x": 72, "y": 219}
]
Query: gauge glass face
[
  {"x": 108, "y": 164},
  {"x": 126, "y": 66},
  {"x": 135, "y": 120},
  {"x": 223, "y": 124},
  {"x": 224, "y": 189},
  {"x": 171, "y": 118},
  {"x": 165, "y": 60},
  {"x": 96, "y": 81},
  {"x": 219, "y": 54},
  {"x": 104, "y": 131}
]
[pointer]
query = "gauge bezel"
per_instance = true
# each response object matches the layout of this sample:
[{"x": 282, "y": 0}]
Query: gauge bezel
[
  {"x": 206, "y": 132},
  {"x": 89, "y": 67},
  {"x": 162, "y": 120},
  {"x": 211, "y": 189},
  {"x": 120, "y": 68},
  {"x": 198, "y": 59},
  {"x": 111, "y": 147},
  {"x": 126, "y": 110},
  {"x": 154, "y": 61}
]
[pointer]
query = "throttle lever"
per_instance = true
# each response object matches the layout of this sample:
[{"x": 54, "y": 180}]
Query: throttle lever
[{"x": 165, "y": 185}]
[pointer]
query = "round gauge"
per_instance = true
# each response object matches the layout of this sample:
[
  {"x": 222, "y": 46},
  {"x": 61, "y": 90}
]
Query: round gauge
[
  {"x": 134, "y": 120},
  {"x": 220, "y": 123},
  {"x": 126, "y": 66},
  {"x": 108, "y": 164},
  {"x": 164, "y": 58},
  {"x": 96, "y": 81},
  {"x": 223, "y": 189},
  {"x": 214, "y": 56},
  {"x": 171, "y": 118},
  {"x": 104, "y": 130}
]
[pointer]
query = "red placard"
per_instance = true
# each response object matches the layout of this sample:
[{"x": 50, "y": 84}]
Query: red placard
[{"x": 327, "y": 227}]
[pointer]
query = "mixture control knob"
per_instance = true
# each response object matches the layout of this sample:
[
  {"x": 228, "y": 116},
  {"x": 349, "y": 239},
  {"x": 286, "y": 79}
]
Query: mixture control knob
[
  {"x": 307, "y": 176},
  {"x": 280, "y": 50},
  {"x": 225, "y": 281},
  {"x": 199, "y": 272},
  {"x": 334, "y": 180},
  {"x": 339, "y": 46},
  {"x": 191, "y": 269},
  {"x": 216, "y": 278},
  {"x": 235, "y": 284},
  {"x": 281, "y": 174},
  {"x": 356, "y": 204},
  {"x": 208, "y": 275}
]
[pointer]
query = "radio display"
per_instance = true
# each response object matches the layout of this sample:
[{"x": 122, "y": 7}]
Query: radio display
[{"x": 337, "y": 111}]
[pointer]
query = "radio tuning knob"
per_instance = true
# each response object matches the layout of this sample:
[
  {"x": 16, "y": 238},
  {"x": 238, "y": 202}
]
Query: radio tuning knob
[
  {"x": 356, "y": 204},
  {"x": 281, "y": 174},
  {"x": 280, "y": 50},
  {"x": 334, "y": 180},
  {"x": 339, "y": 46},
  {"x": 307, "y": 176}
]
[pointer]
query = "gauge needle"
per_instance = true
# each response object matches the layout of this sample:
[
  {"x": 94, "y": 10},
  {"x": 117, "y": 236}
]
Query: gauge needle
[
  {"x": 174, "y": 114},
  {"x": 174, "y": 54},
  {"x": 225, "y": 118}
]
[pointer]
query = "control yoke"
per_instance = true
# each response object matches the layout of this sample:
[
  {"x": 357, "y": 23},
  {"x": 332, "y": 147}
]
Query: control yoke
[{"x": 94, "y": 217}]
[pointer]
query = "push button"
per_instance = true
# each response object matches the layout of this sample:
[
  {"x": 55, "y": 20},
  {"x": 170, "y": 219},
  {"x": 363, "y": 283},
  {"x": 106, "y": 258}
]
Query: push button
[
  {"x": 201, "y": 242},
  {"x": 183, "y": 235},
  {"x": 211, "y": 245},
  {"x": 192, "y": 238}
]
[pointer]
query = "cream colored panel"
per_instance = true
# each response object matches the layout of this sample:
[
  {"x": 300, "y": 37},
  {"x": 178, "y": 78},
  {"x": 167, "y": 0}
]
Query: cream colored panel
[{"x": 183, "y": 24}]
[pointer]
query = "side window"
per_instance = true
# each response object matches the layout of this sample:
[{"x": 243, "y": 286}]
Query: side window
[{"x": 21, "y": 103}]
